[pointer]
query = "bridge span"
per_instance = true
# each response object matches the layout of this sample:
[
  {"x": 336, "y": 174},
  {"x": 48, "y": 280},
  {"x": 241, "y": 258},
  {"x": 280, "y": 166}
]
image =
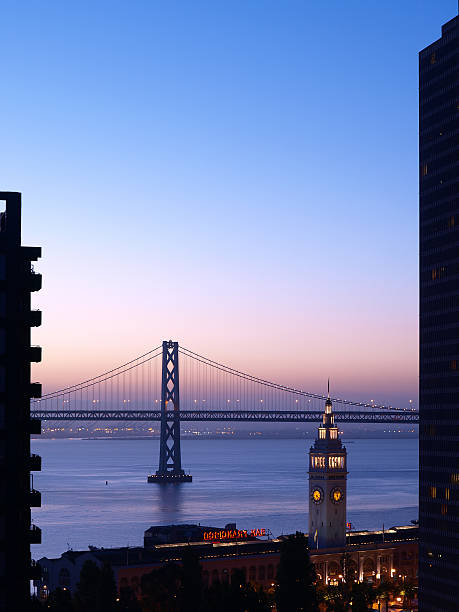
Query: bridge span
[
  {"x": 215, "y": 392},
  {"x": 257, "y": 416}
]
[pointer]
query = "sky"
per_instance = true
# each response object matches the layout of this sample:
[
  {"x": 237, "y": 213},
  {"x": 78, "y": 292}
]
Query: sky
[{"x": 240, "y": 176}]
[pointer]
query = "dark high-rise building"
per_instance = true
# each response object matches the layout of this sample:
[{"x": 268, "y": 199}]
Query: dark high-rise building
[
  {"x": 17, "y": 494},
  {"x": 439, "y": 322}
]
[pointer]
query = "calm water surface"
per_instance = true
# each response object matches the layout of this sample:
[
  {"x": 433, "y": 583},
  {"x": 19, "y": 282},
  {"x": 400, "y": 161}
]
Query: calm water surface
[{"x": 256, "y": 483}]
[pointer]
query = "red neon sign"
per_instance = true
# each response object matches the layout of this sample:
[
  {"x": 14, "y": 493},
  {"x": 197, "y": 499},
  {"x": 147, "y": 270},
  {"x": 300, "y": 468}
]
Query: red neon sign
[{"x": 233, "y": 534}]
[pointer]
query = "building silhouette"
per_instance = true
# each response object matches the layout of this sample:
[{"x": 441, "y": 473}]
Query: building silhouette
[
  {"x": 439, "y": 322},
  {"x": 17, "y": 281},
  {"x": 327, "y": 485}
]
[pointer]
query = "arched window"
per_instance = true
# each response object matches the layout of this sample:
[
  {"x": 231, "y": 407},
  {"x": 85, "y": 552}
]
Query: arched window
[
  {"x": 64, "y": 577},
  {"x": 368, "y": 567},
  {"x": 333, "y": 569},
  {"x": 351, "y": 570}
]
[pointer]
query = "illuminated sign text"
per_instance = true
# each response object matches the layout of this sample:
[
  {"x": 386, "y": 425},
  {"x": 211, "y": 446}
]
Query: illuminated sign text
[{"x": 233, "y": 534}]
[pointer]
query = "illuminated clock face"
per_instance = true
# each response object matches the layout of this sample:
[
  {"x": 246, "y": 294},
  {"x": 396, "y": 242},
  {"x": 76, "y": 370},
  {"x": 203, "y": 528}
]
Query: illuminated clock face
[
  {"x": 317, "y": 495},
  {"x": 336, "y": 495}
]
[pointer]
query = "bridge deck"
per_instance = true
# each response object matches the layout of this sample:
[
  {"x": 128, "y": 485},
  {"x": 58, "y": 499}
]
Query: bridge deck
[{"x": 279, "y": 416}]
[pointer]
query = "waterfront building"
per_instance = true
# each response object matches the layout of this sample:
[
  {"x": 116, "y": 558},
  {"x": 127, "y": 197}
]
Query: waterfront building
[
  {"x": 17, "y": 281},
  {"x": 439, "y": 322},
  {"x": 370, "y": 556},
  {"x": 327, "y": 485}
]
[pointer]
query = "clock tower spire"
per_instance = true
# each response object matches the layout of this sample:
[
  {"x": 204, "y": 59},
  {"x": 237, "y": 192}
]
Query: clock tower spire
[{"x": 327, "y": 484}]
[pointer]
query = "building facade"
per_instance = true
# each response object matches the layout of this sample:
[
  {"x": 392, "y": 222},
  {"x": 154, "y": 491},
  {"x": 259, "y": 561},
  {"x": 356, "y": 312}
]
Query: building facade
[
  {"x": 17, "y": 281},
  {"x": 327, "y": 485},
  {"x": 439, "y": 322},
  {"x": 370, "y": 556}
]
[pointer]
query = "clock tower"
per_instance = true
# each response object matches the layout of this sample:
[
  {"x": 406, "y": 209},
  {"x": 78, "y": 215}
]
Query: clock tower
[{"x": 327, "y": 485}]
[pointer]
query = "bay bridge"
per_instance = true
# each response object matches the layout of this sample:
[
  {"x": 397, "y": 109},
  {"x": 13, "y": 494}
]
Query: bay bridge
[{"x": 149, "y": 388}]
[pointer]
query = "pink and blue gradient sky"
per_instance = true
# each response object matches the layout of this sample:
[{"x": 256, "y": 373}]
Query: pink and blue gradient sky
[{"x": 239, "y": 176}]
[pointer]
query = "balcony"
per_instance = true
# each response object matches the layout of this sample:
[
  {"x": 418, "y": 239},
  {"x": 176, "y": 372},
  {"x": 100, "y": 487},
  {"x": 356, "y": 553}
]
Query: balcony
[
  {"x": 34, "y": 282},
  {"x": 35, "y": 426},
  {"x": 31, "y": 253},
  {"x": 35, "y": 463},
  {"x": 35, "y": 568},
  {"x": 34, "y": 498},
  {"x": 35, "y": 390},
  {"x": 35, "y": 354},
  {"x": 34, "y": 534},
  {"x": 34, "y": 318}
]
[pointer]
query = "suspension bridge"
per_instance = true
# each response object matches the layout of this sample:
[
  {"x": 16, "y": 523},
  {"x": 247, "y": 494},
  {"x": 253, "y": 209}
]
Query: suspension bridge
[{"x": 149, "y": 388}]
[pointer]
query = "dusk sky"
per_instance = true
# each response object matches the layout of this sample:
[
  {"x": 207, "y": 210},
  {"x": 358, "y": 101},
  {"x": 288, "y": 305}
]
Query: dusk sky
[{"x": 239, "y": 176}]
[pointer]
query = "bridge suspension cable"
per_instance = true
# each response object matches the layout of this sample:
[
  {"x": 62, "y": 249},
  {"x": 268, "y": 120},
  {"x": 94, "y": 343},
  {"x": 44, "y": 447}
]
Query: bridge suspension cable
[
  {"x": 276, "y": 386},
  {"x": 205, "y": 384}
]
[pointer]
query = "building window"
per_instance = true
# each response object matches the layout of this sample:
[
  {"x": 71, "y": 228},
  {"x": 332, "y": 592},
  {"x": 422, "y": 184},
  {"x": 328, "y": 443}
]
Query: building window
[
  {"x": 455, "y": 478},
  {"x": 446, "y": 493},
  {"x": 444, "y": 509},
  {"x": 433, "y": 492},
  {"x": 438, "y": 273},
  {"x": 64, "y": 577},
  {"x": 336, "y": 462},
  {"x": 261, "y": 572},
  {"x": 424, "y": 170},
  {"x": 433, "y": 59},
  {"x": 453, "y": 365},
  {"x": 319, "y": 462}
]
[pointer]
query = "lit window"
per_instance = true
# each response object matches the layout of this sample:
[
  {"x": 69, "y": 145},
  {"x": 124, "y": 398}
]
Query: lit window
[
  {"x": 434, "y": 274},
  {"x": 433, "y": 58},
  {"x": 455, "y": 478},
  {"x": 453, "y": 365},
  {"x": 433, "y": 492},
  {"x": 446, "y": 493},
  {"x": 335, "y": 462},
  {"x": 444, "y": 509},
  {"x": 424, "y": 170}
]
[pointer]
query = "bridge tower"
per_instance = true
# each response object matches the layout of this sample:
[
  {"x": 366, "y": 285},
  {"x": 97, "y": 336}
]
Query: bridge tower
[
  {"x": 327, "y": 485},
  {"x": 170, "y": 459}
]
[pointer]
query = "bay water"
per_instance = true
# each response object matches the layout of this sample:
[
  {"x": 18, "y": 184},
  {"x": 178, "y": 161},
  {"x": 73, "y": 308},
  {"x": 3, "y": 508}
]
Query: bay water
[{"x": 256, "y": 483}]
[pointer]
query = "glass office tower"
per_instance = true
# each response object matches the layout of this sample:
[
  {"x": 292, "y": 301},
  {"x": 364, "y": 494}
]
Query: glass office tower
[{"x": 439, "y": 322}]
